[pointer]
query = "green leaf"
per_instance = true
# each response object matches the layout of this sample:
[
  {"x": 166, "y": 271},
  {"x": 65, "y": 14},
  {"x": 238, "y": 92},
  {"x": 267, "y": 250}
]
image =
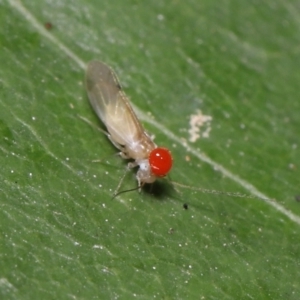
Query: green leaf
[{"x": 63, "y": 237}]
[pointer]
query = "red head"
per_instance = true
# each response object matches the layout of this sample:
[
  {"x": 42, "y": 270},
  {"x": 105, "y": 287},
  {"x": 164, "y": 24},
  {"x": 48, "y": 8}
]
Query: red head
[{"x": 160, "y": 160}]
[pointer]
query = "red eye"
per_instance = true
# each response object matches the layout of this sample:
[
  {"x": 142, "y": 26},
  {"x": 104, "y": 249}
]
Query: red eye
[{"x": 160, "y": 161}]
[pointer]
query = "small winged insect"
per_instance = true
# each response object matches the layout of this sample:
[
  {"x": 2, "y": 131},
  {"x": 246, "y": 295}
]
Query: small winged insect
[
  {"x": 128, "y": 135},
  {"x": 124, "y": 129}
]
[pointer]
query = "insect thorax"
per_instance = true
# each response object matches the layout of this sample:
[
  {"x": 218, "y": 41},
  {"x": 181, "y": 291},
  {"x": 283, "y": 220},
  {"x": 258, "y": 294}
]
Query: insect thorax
[{"x": 140, "y": 149}]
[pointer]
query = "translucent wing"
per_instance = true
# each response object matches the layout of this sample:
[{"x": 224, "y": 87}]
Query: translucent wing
[{"x": 111, "y": 104}]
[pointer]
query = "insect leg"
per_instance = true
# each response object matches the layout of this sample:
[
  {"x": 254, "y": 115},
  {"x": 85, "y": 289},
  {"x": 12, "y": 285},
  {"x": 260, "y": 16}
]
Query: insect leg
[{"x": 128, "y": 168}]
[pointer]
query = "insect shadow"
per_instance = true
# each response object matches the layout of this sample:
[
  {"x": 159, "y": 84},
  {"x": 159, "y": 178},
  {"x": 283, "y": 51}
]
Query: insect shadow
[{"x": 159, "y": 189}]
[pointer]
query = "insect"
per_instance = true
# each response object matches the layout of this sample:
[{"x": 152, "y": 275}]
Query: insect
[
  {"x": 123, "y": 127},
  {"x": 48, "y": 25},
  {"x": 128, "y": 135},
  {"x": 185, "y": 206}
]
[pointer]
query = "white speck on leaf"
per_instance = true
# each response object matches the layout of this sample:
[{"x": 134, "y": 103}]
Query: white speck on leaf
[
  {"x": 160, "y": 17},
  {"x": 197, "y": 121},
  {"x": 97, "y": 247}
]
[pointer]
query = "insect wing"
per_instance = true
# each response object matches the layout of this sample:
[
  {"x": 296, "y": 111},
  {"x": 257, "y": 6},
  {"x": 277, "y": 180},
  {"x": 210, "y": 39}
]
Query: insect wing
[{"x": 111, "y": 104}]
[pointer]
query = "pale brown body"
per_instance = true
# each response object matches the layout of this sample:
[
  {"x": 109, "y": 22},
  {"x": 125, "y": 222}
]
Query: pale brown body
[{"x": 124, "y": 129}]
